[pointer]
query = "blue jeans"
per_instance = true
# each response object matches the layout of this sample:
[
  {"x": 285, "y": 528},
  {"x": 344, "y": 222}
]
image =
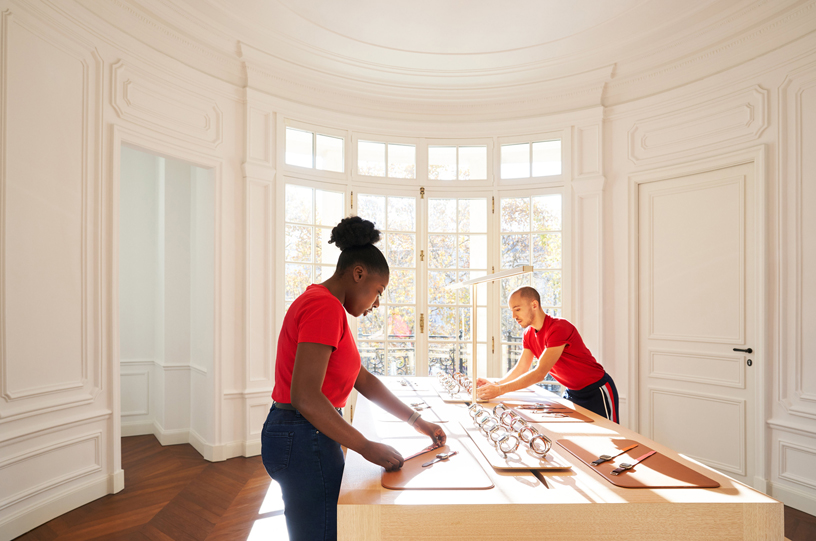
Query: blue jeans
[{"x": 309, "y": 468}]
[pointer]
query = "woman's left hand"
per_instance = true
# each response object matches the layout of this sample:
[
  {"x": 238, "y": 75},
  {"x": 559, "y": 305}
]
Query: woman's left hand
[{"x": 431, "y": 430}]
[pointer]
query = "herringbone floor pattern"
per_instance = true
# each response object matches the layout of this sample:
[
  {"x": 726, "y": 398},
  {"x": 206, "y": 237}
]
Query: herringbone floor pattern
[{"x": 171, "y": 493}]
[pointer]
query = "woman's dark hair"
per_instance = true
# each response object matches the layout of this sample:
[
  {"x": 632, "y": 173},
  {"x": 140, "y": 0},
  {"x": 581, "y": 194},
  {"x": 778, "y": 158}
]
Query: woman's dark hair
[{"x": 356, "y": 237}]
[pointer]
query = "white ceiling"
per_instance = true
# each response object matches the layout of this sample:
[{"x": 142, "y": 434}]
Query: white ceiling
[{"x": 435, "y": 55}]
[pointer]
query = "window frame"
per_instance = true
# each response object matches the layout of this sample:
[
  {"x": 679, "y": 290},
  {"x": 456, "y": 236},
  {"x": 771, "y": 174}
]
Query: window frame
[
  {"x": 458, "y": 183},
  {"x": 356, "y": 177},
  {"x": 540, "y": 181},
  {"x": 314, "y": 171}
]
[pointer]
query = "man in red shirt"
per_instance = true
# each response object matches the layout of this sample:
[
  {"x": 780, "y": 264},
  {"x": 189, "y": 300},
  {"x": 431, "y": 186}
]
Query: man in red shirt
[{"x": 561, "y": 352}]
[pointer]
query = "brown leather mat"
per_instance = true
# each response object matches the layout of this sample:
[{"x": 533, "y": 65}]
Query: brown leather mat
[
  {"x": 459, "y": 472},
  {"x": 657, "y": 471},
  {"x": 552, "y": 414}
]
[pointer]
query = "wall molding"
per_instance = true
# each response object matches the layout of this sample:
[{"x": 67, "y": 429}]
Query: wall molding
[
  {"x": 782, "y": 447},
  {"x": 738, "y": 360},
  {"x": 796, "y": 400},
  {"x": 80, "y": 392},
  {"x": 51, "y": 484},
  {"x": 145, "y": 98},
  {"x": 725, "y": 121}
]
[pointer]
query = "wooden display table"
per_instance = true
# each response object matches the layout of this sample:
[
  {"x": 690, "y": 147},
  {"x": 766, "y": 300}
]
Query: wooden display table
[{"x": 548, "y": 505}]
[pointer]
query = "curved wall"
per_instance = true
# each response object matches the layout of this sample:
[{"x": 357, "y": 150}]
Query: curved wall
[{"x": 75, "y": 89}]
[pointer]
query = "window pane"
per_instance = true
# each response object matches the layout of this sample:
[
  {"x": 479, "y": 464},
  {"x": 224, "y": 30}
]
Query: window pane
[
  {"x": 297, "y": 278},
  {"x": 515, "y": 214},
  {"x": 298, "y": 204},
  {"x": 547, "y": 250},
  {"x": 515, "y": 161},
  {"x": 465, "y": 324},
  {"x": 372, "y": 325},
  {"x": 401, "y": 161},
  {"x": 473, "y": 163},
  {"x": 298, "y": 147},
  {"x": 472, "y": 251},
  {"x": 371, "y": 158},
  {"x": 298, "y": 243},
  {"x": 442, "y": 163},
  {"x": 442, "y": 215},
  {"x": 548, "y": 285},
  {"x": 372, "y": 207},
  {"x": 401, "y": 214},
  {"x": 441, "y": 251},
  {"x": 323, "y": 273},
  {"x": 401, "y": 358},
  {"x": 372, "y": 355},
  {"x": 510, "y": 355},
  {"x": 547, "y": 212},
  {"x": 402, "y": 287},
  {"x": 400, "y": 250},
  {"x": 472, "y": 216},
  {"x": 437, "y": 282},
  {"x": 547, "y": 158},
  {"x": 510, "y": 329},
  {"x": 329, "y": 207},
  {"x": 329, "y": 156},
  {"x": 515, "y": 250},
  {"x": 442, "y": 323},
  {"x": 443, "y": 357},
  {"x": 324, "y": 252},
  {"x": 401, "y": 322}
]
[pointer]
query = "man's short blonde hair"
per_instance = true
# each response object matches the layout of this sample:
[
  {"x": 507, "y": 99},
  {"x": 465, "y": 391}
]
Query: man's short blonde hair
[{"x": 527, "y": 292}]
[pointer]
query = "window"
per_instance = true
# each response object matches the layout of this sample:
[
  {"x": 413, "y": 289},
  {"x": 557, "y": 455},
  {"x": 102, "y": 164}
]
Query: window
[
  {"x": 457, "y": 251},
  {"x": 538, "y": 159},
  {"x": 457, "y": 163},
  {"x": 386, "y": 337},
  {"x": 310, "y": 215},
  {"x": 530, "y": 234},
  {"x": 314, "y": 150},
  {"x": 392, "y": 160}
]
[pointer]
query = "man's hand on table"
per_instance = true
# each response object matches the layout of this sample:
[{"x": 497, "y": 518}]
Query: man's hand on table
[
  {"x": 488, "y": 390},
  {"x": 431, "y": 430}
]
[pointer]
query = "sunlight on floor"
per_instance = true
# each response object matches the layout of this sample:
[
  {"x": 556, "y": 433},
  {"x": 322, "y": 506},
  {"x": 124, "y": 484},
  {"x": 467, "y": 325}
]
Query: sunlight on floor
[
  {"x": 273, "y": 501},
  {"x": 273, "y": 527}
]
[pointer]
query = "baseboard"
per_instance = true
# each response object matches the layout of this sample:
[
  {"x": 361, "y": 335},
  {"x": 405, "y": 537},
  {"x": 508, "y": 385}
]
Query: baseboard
[
  {"x": 138, "y": 428},
  {"x": 252, "y": 448},
  {"x": 794, "y": 498},
  {"x": 171, "y": 437},
  {"x": 117, "y": 482},
  {"x": 58, "y": 504}
]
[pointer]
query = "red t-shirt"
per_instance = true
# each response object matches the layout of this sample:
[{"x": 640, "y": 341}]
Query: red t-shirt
[
  {"x": 576, "y": 368},
  {"x": 317, "y": 316}
]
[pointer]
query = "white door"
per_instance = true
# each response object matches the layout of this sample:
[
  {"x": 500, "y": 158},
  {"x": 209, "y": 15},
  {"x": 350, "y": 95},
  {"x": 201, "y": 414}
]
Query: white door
[{"x": 696, "y": 307}]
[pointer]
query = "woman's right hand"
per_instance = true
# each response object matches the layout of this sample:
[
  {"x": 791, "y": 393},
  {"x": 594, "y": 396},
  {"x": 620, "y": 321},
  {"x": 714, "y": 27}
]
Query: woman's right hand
[{"x": 382, "y": 455}]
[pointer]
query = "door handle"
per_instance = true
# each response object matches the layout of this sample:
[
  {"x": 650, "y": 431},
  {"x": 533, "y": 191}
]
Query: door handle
[{"x": 749, "y": 350}]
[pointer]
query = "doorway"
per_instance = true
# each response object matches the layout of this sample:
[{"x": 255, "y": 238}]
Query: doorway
[
  {"x": 166, "y": 298},
  {"x": 697, "y": 308}
]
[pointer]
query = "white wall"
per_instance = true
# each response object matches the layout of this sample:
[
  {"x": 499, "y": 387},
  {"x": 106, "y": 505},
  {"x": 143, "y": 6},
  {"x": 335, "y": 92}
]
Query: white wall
[{"x": 60, "y": 265}]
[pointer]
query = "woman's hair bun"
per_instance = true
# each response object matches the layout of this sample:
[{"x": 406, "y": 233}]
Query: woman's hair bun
[{"x": 354, "y": 231}]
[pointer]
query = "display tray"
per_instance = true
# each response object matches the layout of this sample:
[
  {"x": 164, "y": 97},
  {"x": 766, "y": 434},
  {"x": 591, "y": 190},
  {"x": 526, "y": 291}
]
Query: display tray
[
  {"x": 459, "y": 398},
  {"x": 429, "y": 414},
  {"x": 460, "y": 472},
  {"x": 657, "y": 471},
  {"x": 521, "y": 459},
  {"x": 550, "y": 414},
  {"x": 396, "y": 384}
]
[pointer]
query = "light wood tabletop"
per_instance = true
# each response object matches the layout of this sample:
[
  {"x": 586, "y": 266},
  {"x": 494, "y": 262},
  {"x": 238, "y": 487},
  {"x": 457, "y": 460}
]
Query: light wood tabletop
[{"x": 550, "y": 504}]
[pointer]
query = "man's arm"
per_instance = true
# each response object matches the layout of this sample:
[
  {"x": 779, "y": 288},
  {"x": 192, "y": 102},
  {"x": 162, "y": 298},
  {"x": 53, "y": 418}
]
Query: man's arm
[
  {"x": 545, "y": 364},
  {"x": 522, "y": 366}
]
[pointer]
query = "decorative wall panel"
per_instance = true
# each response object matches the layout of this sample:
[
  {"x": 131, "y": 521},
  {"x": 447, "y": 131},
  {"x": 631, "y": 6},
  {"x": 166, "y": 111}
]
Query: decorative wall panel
[
  {"x": 736, "y": 118},
  {"x": 797, "y": 464},
  {"x": 50, "y": 354},
  {"x": 797, "y": 378},
  {"x": 717, "y": 370},
  {"x": 153, "y": 102},
  {"x": 259, "y": 280}
]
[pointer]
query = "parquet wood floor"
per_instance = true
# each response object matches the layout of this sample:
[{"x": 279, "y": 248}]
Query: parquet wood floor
[{"x": 171, "y": 493}]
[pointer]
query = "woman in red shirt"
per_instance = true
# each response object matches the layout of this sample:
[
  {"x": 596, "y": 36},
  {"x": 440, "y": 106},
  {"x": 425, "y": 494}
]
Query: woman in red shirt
[{"x": 317, "y": 365}]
